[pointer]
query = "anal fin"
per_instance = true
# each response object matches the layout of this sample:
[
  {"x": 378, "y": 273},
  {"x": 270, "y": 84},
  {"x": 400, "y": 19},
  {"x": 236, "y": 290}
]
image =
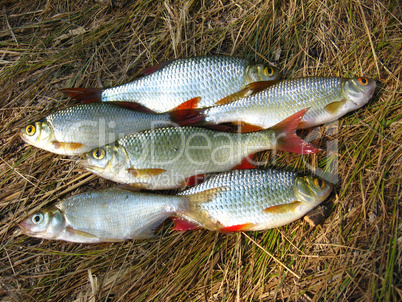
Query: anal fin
[
  {"x": 181, "y": 224},
  {"x": 245, "y": 163},
  {"x": 237, "y": 228}
]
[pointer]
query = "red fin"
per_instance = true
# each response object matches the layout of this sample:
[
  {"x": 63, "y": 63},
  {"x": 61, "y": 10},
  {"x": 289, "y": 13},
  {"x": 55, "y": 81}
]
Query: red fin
[
  {"x": 187, "y": 114},
  {"x": 287, "y": 140},
  {"x": 85, "y": 95},
  {"x": 194, "y": 180},
  {"x": 245, "y": 163},
  {"x": 283, "y": 208},
  {"x": 248, "y": 90},
  {"x": 152, "y": 69},
  {"x": 181, "y": 224},
  {"x": 245, "y": 127},
  {"x": 190, "y": 104},
  {"x": 237, "y": 228},
  {"x": 133, "y": 106}
]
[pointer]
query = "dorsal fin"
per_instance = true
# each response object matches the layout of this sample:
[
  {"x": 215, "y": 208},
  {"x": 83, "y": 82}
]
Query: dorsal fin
[
  {"x": 152, "y": 69},
  {"x": 85, "y": 95}
]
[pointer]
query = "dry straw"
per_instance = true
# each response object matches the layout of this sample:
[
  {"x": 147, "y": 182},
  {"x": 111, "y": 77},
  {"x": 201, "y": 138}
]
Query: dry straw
[{"x": 355, "y": 255}]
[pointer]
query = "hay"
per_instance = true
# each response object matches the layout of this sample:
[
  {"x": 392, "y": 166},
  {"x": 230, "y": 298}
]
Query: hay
[{"x": 355, "y": 255}]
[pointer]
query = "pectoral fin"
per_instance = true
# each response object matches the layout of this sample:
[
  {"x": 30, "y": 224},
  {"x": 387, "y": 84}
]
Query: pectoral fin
[
  {"x": 81, "y": 234},
  {"x": 144, "y": 173},
  {"x": 334, "y": 107},
  {"x": 248, "y": 90},
  {"x": 67, "y": 146},
  {"x": 283, "y": 208}
]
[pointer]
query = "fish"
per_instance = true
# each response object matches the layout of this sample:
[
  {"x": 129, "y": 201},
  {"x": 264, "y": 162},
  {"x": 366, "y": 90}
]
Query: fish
[
  {"x": 79, "y": 129},
  {"x": 109, "y": 215},
  {"x": 166, "y": 158},
  {"x": 168, "y": 85},
  {"x": 250, "y": 200},
  {"x": 239, "y": 200},
  {"x": 328, "y": 99}
]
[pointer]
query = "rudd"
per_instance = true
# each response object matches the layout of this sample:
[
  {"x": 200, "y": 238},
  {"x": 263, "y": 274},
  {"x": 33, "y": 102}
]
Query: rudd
[
  {"x": 168, "y": 85},
  {"x": 241, "y": 200},
  {"x": 166, "y": 158},
  {"x": 328, "y": 99},
  {"x": 81, "y": 128}
]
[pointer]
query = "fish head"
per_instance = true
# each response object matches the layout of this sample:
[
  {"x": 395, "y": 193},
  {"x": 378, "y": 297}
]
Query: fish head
[
  {"x": 107, "y": 161},
  {"x": 260, "y": 72},
  {"x": 39, "y": 134},
  {"x": 358, "y": 91},
  {"x": 47, "y": 223},
  {"x": 311, "y": 191}
]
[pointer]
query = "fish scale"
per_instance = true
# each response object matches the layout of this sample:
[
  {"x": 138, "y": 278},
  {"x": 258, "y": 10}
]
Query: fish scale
[{"x": 211, "y": 78}]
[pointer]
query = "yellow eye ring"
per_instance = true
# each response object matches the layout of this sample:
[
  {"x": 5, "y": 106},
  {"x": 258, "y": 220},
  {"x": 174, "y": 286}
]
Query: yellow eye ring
[
  {"x": 269, "y": 71},
  {"x": 98, "y": 153},
  {"x": 319, "y": 183},
  {"x": 30, "y": 130},
  {"x": 363, "y": 81}
]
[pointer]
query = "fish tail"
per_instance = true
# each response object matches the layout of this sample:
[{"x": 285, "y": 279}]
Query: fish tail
[
  {"x": 85, "y": 95},
  {"x": 286, "y": 138},
  {"x": 191, "y": 216}
]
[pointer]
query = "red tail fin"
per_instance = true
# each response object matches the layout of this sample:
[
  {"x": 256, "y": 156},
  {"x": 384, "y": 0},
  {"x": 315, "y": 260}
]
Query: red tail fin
[
  {"x": 85, "y": 95},
  {"x": 287, "y": 139}
]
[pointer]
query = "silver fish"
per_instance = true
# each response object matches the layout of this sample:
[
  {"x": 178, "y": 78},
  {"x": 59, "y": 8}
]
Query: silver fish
[
  {"x": 108, "y": 215},
  {"x": 166, "y": 157},
  {"x": 211, "y": 78},
  {"x": 81, "y": 128},
  {"x": 327, "y": 99}
]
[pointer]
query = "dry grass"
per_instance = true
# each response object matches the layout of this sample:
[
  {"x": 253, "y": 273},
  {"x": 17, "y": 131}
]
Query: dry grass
[{"x": 355, "y": 255}]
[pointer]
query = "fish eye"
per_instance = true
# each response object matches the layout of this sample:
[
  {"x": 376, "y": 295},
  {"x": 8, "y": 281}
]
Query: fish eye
[
  {"x": 98, "y": 153},
  {"x": 269, "y": 71},
  {"x": 363, "y": 81},
  {"x": 37, "y": 218},
  {"x": 319, "y": 182},
  {"x": 30, "y": 130}
]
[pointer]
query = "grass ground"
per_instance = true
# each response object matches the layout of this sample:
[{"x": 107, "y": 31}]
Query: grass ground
[{"x": 355, "y": 255}]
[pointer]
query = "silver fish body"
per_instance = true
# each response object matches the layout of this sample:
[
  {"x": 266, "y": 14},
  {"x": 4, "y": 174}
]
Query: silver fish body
[
  {"x": 108, "y": 215},
  {"x": 251, "y": 200},
  {"x": 211, "y": 78},
  {"x": 327, "y": 99},
  {"x": 81, "y": 128},
  {"x": 164, "y": 158}
]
